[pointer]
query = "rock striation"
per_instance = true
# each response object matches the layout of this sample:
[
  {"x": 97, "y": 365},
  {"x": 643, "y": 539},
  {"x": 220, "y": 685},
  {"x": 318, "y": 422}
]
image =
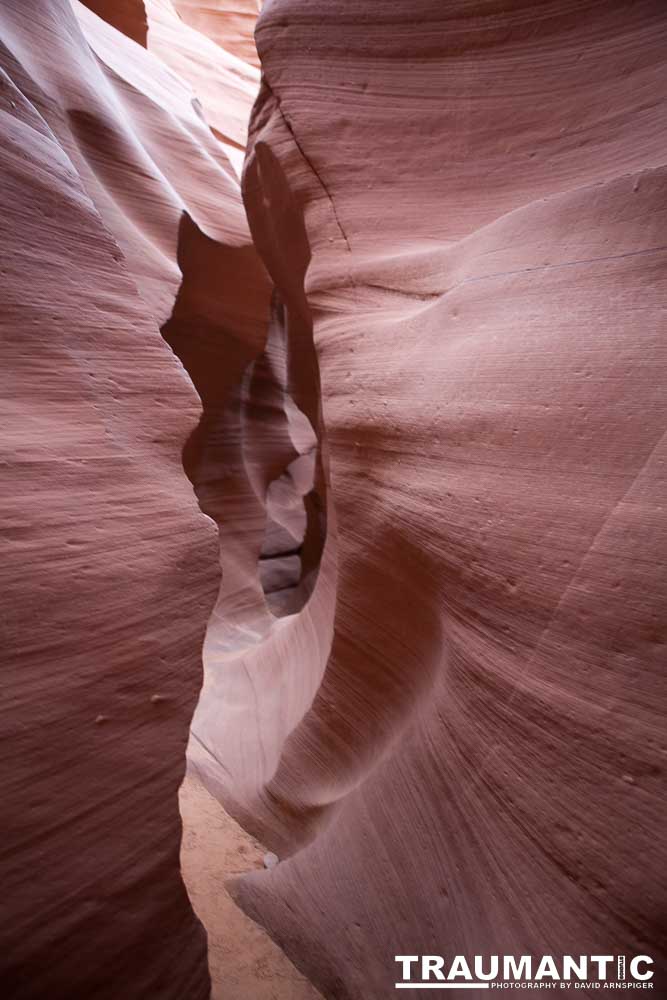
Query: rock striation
[
  {"x": 121, "y": 218},
  {"x": 228, "y": 23},
  {"x": 413, "y": 367},
  {"x": 464, "y": 207}
]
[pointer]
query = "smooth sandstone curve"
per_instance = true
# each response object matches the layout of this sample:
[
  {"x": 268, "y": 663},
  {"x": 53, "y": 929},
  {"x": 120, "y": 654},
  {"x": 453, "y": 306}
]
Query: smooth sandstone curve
[
  {"x": 121, "y": 218},
  {"x": 466, "y": 206}
]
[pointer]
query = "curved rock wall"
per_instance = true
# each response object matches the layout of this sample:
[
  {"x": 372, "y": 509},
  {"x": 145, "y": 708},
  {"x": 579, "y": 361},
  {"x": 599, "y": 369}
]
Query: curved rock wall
[
  {"x": 479, "y": 194},
  {"x": 121, "y": 215},
  {"x": 229, "y": 23},
  {"x": 129, "y": 16},
  {"x": 421, "y": 394}
]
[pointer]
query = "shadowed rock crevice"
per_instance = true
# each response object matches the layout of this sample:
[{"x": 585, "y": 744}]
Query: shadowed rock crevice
[
  {"x": 269, "y": 637},
  {"x": 254, "y": 458},
  {"x": 295, "y": 530},
  {"x": 129, "y": 16}
]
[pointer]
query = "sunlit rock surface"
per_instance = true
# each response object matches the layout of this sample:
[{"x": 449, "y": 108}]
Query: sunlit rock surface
[{"x": 229, "y": 23}]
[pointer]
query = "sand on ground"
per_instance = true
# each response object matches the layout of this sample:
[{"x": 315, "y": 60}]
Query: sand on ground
[{"x": 245, "y": 963}]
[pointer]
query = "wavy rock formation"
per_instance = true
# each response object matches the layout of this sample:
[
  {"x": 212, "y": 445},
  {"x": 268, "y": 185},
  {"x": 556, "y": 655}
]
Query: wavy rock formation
[
  {"x": 229, "y": 23},
  {"x": 121, "y": 217},
  {"x": 224, "y": 85},
  {"x": 129, "y": 16},
  {"x": 457, "y": 740},
  {"x": 420, "y": 391}
]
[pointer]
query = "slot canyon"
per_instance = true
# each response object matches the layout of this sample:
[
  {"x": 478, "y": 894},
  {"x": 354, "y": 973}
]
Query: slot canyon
[{"x": 334, "y": 483}]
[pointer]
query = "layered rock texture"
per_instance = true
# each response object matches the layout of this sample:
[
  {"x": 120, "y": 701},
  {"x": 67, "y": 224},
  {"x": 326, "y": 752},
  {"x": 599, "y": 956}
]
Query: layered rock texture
[
  {"x": 121, "y": 215},
  {"x": 421, "y": 390}
]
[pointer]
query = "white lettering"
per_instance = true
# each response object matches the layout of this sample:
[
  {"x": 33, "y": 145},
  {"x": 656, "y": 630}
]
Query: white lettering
[
  {"x": 459, "y": 968},
  {"x": 580, "y": 968},
  {"x": 406, "y": 961},
  {"x": 479, "y": 967},
  {"x": 521, "y": 969},
  {"x": 602, "y": 962},
  {"x": 432, "y": 965},
  {"x": 547, "y": 967},
  {"x": 634, "y": 967}
]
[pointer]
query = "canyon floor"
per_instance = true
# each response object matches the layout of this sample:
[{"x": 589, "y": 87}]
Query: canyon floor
[{"x": 244, "y": 962}]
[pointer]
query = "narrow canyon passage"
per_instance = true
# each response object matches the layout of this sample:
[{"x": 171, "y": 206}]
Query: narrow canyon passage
[
  {"x": 244, "y": 963},
  {"x": 333, "y": 520}
]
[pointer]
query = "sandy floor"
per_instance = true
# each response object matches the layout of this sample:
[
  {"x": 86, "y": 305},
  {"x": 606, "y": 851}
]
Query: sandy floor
[{"x": 245, "y": 963}]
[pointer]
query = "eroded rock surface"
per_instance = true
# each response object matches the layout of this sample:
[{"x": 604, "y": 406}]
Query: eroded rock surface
[
  {"x": 120, "y": 215},
  {"x": 465, "y": 206},
  {"x": 418, "y": 383}
]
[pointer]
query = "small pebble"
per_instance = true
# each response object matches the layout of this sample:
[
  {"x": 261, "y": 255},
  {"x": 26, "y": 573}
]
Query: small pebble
[
  {"x": 100, "y": 719},
  {"x": 270, "y": 860},
  {"x": 157, "y": 698}
]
